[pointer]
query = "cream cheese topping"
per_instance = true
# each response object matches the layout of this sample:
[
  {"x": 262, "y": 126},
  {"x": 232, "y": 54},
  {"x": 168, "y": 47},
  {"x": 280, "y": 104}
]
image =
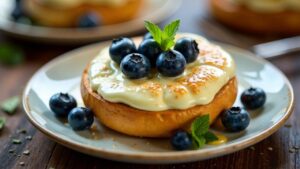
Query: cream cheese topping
[
  {"x": 198, "y": 85},
  {"x": 74, "y": 3},
  {"x": 270, "y": 5}
]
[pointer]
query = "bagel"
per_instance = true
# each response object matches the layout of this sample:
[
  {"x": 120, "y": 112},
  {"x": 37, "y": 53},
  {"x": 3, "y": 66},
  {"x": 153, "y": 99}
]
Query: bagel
[
  {"x": 130, "y": 120},
  {"x": 242, "y": 18},
  {"x": 52, "y": 16}
]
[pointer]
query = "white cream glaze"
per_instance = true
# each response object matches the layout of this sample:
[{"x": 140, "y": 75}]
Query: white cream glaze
[
  {"x": 198, "y": 85},
  {"x": 270, "y": 5},
  {"x": 74, "y": 3}
]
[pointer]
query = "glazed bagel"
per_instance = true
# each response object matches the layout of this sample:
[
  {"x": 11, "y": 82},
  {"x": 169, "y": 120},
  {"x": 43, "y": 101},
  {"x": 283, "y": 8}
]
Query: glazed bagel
[
  {"x": 247, "y": 20},
  {"x": 135, "y": 122},
  {"x": 68, "y": 17},
  {"x": 137, "y": 118}
]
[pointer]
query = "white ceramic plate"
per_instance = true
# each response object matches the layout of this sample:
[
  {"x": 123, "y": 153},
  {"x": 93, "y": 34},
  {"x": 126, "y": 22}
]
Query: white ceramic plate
[
  {"x": 63, "y": 75},
  {"x": 153, "y": 10}
]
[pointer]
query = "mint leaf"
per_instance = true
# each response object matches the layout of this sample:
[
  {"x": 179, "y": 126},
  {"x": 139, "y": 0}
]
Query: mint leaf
[
  {"x": 2, "y": 123},
  {"x": 155, "y": 31},
  {"x": 10, "y": 54},
  {"x": 200, "y": 125},
  {"x": 166, "y": 37},
  {"x": 200, "y": 141},
  {"x": 199, "y": 129},
  {"x": 209, "y": 136},
  {"x": 10, "y": 105},
  {"x": 171, "y": 29}
]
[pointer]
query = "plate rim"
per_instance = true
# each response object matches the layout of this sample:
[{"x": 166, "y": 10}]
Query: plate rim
[{"x": 162, "y": 157}]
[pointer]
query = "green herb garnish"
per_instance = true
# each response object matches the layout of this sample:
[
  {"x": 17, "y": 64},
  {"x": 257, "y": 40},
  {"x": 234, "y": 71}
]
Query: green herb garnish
[
  {"x": 2, "y": 123},
  {"x": 16, "y": 141},
  {"x": 166, "y": 37},
  {"x": 10, "y": 54},
  {"x": 22, "y": 131},
  {"x": 200, "y": 133},
  {"x": 10, "y": 105},
  {"x": 26, "y": 152},
  {"x": 28, "y": 137}
]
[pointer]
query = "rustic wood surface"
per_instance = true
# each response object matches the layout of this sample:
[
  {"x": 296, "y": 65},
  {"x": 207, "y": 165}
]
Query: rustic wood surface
[{"x": 45, "y": 154}]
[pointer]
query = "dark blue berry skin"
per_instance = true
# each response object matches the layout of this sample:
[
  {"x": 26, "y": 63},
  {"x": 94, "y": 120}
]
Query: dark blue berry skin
[
  {"x": 148, "y": 36},
  {"x": 120, "y": 48},
  {"x": 151, "y": 49},
  {"x": 188, "y": 47},
  {"x": 235, "y": 119},
  {"x": 18, "y": 11},
  {"x": 89, "y": 20},
  {"x": 181, "y": 140},
  {"x": 253, "y": 98},
  {"x": 170, "y": 63},
  {"x": 61, "y": 104},
  {"x": 135, "y": 66},
  {"x": 80, "y": 118}
]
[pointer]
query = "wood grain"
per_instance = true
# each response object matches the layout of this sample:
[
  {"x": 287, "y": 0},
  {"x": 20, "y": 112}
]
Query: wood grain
[{"x": 195, "y": 17}]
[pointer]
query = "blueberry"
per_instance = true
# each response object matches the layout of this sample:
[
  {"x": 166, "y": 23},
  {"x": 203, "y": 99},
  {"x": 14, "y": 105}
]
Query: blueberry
[
  {"x": 148, "y": 36},
  {"x": 61, "y": 104},
  {"x": 235, "y": 119},
  {"x": 170, "y": 63},
  {"x": 17, "y": 12},
  {"x": 151, "y": 49},
  {"x": 253, "y": 98},
  {"x": 80, "y": 118},
  {"x": 188, "y": 47},
  {"x": 181, "y": 140},
  {"x": 135, "y": 66},
  {"x": 120, "y": 48},
  {"x": 89, "y": 20}
]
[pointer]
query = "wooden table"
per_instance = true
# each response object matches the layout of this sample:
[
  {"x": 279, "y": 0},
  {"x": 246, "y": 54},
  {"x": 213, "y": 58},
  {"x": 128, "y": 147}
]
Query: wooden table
[{"x": 274, "y": 152}]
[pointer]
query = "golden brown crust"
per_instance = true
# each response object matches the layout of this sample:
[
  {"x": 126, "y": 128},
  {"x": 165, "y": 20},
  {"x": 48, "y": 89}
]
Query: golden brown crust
[
  {"x": 59, "y": 17},
  {"x": 244, "y": 19},
  {"x": 135, "y": 122}
]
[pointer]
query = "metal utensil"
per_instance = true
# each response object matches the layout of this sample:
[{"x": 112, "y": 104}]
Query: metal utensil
[{"x": 277, "y": 48}]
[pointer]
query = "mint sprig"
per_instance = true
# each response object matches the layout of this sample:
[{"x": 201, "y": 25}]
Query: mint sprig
[
  {"x": 200, "y": 133},
  {"x": 2, "y": 123},
  {"x": 10, "y": 54},
  {"x": 166, "y": 37},
  {"x": 10, "y": 105}
]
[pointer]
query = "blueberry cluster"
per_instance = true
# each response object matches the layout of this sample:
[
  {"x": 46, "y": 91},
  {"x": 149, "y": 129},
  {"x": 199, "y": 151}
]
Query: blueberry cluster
[
  {"x": 64, "y": 105},
  {"x": 136, "y": 63}
]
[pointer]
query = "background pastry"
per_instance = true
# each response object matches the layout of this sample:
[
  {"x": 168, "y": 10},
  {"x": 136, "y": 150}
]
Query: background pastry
[
  {"x": 70, "y": 13},
  {"x": 259, "y": 16}
]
